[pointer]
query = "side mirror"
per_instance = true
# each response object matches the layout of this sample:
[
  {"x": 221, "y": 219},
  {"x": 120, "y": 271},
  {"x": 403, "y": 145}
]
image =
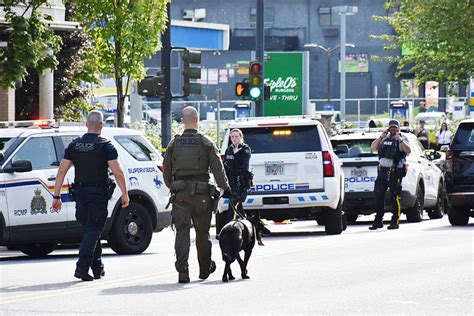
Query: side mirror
[
  {"x": 19, "y": 166},
  {"x": 444, "y": 148}
]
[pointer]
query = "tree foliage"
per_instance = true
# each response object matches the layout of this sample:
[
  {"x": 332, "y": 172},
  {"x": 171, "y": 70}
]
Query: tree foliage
[
  {"x": 124, "y": 33},
  {"x": 439, "y": 35},
  {"x": 29, "y": 38}
]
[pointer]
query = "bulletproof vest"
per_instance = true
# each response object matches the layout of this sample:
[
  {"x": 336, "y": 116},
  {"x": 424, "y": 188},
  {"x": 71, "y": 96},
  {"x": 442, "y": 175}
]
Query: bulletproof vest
[
  {"x": 190, "y": 157},
  {"x": 89, "y": 160},
  {"x": 389, "y": 149}
]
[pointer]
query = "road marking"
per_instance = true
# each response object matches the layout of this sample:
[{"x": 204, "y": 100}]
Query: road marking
[{"x": 102, "y": 285}]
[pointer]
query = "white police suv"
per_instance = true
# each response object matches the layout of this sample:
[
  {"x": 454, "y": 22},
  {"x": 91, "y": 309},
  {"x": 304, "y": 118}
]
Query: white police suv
[
  {"x": 296, "y": 173},
  {"x": 422, "y": 187},
  {"x": 28, "y": 165}
]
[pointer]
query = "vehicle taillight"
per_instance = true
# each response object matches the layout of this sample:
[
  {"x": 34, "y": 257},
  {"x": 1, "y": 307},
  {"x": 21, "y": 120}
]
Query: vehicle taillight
[
  {"x": 161, "y": 168},
  {"x": 328, "y": 164},
  {"x": 449, "y": 160},
  {"x": 222, "y": 158}
]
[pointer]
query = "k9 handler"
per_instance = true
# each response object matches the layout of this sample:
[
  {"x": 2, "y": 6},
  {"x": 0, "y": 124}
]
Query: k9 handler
[
  {"x": 186, "y": 165},
  {"x": 392, "y": 149}
]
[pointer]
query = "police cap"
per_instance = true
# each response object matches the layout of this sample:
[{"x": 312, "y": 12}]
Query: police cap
[{"x": 395, "y": 123}]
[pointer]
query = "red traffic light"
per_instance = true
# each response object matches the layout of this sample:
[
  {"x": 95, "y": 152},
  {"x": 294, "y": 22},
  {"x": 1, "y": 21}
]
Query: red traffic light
[{"x": 255, "y": 68}]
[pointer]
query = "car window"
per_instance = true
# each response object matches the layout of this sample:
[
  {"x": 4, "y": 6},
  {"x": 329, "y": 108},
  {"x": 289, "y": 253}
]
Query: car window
[
  {"x": 40, "y": 151},
  {"x": 464, "y": 137},
  {"x": 5, "y": 142},
  {"x": 137, "y": 147},
  {"x": 353, "y": 148},
  {"x": 282, "y": 139}
]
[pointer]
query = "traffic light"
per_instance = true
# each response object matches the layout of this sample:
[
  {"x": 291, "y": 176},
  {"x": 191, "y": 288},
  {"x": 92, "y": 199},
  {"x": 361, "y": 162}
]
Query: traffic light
[
  {"x": 151, "y": 86},
  {"x": 242, "y": 89},
  {"x": 255, "y": 80},
  {"x": 191, "y": 73}
]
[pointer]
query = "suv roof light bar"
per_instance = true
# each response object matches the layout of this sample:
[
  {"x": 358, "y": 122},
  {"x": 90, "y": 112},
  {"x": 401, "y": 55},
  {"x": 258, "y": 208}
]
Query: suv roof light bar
[{"x": 32, "y": 123}]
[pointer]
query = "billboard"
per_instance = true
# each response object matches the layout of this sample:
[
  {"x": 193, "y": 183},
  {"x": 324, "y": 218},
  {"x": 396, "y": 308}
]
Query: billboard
[{"x": 284, "y": 74}]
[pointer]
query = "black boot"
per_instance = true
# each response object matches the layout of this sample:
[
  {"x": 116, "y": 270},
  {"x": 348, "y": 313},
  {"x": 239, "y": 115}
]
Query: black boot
[
  {"x": 393, "y": 225},
  {"x": 376, "y": 225},
  {"x": 83, "y": 274},
  {"x": 205, "y": 275},
  {"x": 98, "y": 273}
]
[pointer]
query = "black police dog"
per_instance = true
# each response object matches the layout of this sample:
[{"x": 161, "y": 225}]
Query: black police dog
[{"x": 238, "y": 235}]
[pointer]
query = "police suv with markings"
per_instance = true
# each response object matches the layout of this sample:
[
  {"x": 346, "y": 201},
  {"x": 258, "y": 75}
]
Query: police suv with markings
[
  {"x": 422, "y": 187},
  {"x": 29, "y": 159},
  {"x": 296, "y": 173}
]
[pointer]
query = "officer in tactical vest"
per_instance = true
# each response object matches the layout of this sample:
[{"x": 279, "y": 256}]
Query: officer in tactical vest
[
  {"x": 91, "y": 156},
  {"x": 392, "y": 149},
  {"x": 186, "y": 165}
]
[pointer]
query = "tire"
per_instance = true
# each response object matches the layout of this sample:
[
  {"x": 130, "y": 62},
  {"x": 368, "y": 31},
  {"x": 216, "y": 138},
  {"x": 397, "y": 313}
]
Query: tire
[
  {"x": 37, "y": 250},
  {"x": 352, "y": 218},
  {"x": 458, "y": 216},
  {"x": 344, "y": 221},
  {"x": 439, "y": 210},
  {"x": 334, "y": 222},
  {"x": 415, "y": 214},
  {"x": 320, "y": 219},
  {"x": 131, "y": 231}
]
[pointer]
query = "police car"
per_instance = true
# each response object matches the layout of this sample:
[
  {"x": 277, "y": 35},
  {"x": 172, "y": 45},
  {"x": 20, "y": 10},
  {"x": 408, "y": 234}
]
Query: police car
[
  {"x": 422, "y": 187},
  {"x": 296, "y": 173},
  {"x": 29, "y": 159}
]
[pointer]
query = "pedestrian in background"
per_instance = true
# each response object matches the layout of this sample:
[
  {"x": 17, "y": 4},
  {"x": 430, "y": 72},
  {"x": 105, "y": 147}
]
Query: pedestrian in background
[
  {"x": 186, "y": 165},
  {"x": 92, "y": 156},
  {"x": 423, "y": 134},
  {"x": 392, "y": 148},
  {"x": 237, "y": 165},
  {"x": 443, "y": 136}
]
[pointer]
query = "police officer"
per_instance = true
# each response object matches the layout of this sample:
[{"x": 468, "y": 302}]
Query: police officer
[
  {"x": 186, "y": 172},
  {"x": 392, "y": 149},
  {"x": 237, "y": 164},
  {"x": 423, "y": 135},
  {"x": 91, "y": 156}
]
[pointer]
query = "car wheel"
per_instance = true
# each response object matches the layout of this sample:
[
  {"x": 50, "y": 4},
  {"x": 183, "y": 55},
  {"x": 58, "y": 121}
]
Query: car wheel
[
  {"x": 132, "y": 230},
  {"x": 415, "y": 214},
  {"x": 37, "y": 250},
  {"x": 333, "y": 219},
  {"x": 439, "y": 209},
  {"x": 352, "y": 218},
  {"x": 458, "y": 216}
]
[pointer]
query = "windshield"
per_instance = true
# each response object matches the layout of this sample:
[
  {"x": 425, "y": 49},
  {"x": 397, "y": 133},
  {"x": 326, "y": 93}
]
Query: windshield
[
  {"x": 464, "y": 138},
  {"x": 5, "y": 142},
  {"x": 353, "y": 148},
  {"x": 282, "y": 139}
]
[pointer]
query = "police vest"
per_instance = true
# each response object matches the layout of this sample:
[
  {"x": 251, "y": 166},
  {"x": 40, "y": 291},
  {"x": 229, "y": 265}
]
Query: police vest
[
  {"x": 389, "y": 149},
  {"x": 89, "y": 161},
  {"x": 190, "y": 157}
]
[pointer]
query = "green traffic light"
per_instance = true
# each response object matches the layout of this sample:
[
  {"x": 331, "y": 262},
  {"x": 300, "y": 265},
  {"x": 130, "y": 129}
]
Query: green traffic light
[{"x": 255, "y": 92}]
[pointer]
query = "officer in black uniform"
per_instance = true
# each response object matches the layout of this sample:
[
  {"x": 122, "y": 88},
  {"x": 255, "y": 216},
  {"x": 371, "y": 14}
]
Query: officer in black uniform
[
  {"x": 237, "y": 164},
  {"x": 186, "y": 165},
  {"x": 91, "y": 156},
  {"x": 392, "y": 149}
]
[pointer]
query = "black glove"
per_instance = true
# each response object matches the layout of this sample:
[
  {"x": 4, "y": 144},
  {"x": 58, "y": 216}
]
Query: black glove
[{"x": 227, "y": 193}]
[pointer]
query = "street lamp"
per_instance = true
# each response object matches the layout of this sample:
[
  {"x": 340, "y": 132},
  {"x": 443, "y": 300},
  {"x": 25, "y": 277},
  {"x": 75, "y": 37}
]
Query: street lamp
[
  {"x": 343, "y": 11},
  {"x": 328, "y": 52}
]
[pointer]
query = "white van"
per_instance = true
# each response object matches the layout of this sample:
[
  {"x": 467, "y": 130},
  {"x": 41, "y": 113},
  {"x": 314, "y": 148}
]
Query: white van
[{"x": 296, "y": 173}]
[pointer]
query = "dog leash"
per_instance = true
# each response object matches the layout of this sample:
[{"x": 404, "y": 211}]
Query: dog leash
[{"x": 234, "y": 207}]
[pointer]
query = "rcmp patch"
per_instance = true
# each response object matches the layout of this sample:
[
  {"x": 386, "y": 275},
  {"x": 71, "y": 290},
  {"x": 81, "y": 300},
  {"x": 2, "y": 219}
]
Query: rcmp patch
[{"x": 38, "y": 203}]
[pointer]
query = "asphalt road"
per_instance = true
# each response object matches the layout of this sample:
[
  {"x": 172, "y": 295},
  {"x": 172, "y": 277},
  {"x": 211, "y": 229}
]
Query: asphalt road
[{"x": 422, "y": 268}]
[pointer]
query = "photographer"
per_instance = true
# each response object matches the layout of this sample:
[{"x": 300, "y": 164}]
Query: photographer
[
  {"x": 392, "y": 149},
  {"x": 236, "y": 164}
]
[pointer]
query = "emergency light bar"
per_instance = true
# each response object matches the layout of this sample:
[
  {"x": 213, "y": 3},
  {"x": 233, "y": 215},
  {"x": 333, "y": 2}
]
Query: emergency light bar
[{"x": 33, "y": 123}]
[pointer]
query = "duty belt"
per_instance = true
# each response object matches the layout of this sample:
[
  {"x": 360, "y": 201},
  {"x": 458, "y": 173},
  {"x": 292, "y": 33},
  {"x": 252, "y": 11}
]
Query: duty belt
[{"x": 90, "y": 184}]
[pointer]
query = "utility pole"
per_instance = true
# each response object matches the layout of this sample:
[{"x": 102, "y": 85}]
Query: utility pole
[
  {"x": 166, "y": 93},
  {"x": 260, "y": 51}
]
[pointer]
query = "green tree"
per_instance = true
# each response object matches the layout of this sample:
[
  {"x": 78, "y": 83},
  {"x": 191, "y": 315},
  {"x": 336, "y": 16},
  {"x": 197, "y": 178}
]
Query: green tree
[
  {"x": 124, "y": 33},
  {"x": 29, "y": 38},
  {"x": 436, "y": 35}
]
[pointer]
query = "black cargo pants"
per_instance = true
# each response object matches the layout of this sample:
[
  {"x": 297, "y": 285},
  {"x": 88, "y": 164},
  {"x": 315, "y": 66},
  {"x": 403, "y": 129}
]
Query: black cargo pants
[
  {"x": 195, "y": 207},
  {"x": 388, "y": 178}
]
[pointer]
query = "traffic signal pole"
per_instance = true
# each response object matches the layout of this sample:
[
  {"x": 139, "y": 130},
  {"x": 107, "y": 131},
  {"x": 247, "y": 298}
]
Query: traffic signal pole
[
  {"x": 166, "y": 94},
  {"x": 260, "y": 50}
]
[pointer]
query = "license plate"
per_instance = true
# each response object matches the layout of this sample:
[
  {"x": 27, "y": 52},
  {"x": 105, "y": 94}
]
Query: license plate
[
  {"x": 274, "y": 170},
  {"x": 359, "y": 172}
]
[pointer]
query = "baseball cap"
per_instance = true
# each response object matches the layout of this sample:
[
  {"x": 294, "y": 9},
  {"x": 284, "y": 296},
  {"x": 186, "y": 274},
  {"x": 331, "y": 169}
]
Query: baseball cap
[{"x": 394, "y": 123}]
